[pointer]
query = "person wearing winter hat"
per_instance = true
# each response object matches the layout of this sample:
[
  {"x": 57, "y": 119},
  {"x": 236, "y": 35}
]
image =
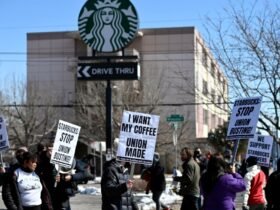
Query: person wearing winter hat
[
  {"x": 255, "y": 182},
  {"x": 115, "y": 184}
]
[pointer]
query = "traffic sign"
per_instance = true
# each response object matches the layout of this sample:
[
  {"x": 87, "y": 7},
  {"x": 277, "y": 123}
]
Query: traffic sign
[
  {"x": 175, "y": 118},
  {"x": 108, "y": 71}
]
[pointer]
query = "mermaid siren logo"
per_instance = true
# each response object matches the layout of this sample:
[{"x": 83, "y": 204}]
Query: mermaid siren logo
[{"x": 108, "y": 25}]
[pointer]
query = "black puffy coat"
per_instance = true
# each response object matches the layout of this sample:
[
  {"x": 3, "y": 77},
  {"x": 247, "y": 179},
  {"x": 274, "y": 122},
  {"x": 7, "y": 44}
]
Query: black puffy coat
[
  {"x": 115, "y": 195},
  {"x": 272, "y": 191},
  {"x": 157, "y": 180}
]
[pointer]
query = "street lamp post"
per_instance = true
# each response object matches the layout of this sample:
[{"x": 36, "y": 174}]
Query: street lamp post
[{"x": 175, "y": 139}]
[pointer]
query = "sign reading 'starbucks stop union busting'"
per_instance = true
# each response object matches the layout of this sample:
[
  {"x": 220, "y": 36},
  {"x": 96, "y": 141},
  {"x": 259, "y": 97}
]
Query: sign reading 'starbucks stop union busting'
[{"x": 108, "y": 25}]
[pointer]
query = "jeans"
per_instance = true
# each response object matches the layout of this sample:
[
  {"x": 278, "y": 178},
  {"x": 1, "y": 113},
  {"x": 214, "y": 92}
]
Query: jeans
[
  {"x": 156, "y": 197},
  {"x": 257, "y": 207},
  {"x": 190, "y": 202}
]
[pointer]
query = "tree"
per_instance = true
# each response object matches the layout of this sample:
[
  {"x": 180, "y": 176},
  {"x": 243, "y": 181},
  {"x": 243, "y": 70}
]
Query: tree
[
  {"x": 217, "y": 139},
  {"x": 27, "y": 122},
  {"x": 247, "y": 46},
  {"x": 126, "y": 95}
]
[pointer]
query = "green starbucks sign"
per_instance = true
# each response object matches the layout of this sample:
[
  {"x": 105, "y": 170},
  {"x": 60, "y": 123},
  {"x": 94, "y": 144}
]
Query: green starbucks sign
[{"x": 108, "y": 25}]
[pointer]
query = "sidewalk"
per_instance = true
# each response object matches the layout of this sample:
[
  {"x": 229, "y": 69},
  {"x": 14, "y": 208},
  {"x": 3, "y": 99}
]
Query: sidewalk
[{"x": 93, "y": 202}]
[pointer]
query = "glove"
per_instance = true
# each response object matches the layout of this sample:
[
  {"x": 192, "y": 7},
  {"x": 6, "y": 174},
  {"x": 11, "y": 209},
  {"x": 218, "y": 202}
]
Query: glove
[
  {"x": 176, "y": 178},
  {"x": 245, "y": 208}
]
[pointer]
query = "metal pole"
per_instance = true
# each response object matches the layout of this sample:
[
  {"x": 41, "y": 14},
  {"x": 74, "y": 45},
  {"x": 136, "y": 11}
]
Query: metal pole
[
  {"x": 94, "y": 161},
  {"x": 108, "y": 117},
  {"x": 175, "y": 138},
  {"x": 1, "y": 157},
  {"x": 101, "y": 159},
  {"x": 236, "y": 144},
  {"x": 176, "y": 151},
  {"x": 132, "y": 170}
]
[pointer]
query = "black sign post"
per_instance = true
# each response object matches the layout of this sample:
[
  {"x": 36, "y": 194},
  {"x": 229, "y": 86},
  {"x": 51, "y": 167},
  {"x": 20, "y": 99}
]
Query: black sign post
[
  {"x": 106, "y": 35},
  {"x": 109, "y": 111},
  {"x": 108, "y": 68}
]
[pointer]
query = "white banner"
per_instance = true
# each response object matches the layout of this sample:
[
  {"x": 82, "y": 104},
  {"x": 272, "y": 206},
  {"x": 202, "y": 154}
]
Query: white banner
[
  {"x": 4, "y": 140},
  {"x": 138, "y": 137},
  {"x": 244, "y": 118},
  {"x": 260, "y": 147},
  {"x": 65, "y": 144}
]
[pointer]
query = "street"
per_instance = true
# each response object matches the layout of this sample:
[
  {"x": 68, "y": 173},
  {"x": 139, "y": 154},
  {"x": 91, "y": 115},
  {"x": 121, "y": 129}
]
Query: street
[{"x": 93, "y": 202}]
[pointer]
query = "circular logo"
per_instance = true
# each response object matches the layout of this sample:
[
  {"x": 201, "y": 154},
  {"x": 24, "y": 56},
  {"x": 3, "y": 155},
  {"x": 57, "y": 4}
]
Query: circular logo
[{"x": 108, "y": 25}]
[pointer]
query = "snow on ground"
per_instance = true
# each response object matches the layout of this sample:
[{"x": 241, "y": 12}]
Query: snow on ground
[{"x": 144, "y": 200}]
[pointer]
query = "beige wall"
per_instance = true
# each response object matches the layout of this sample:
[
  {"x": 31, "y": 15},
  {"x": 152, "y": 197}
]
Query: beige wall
[{"x": 170, "y": 58}]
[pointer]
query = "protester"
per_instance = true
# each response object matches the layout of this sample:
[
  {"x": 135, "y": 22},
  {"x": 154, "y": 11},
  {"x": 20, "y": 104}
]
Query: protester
[
  {"x": 189, "y": 181},
  {"x": 13, "y": 165},
  {"x": 116, "y": 186},
  {"x": 17, "y": 160},
  {"x": 156, "y": 181},
  {"x": 242, "y": 170},
  {"x": 23, "y": 190},
  {"x": 272, "y": 189},
  {"x": 219, "y": 185},
  {"x": 255, "y": 181},
  {"x": 86, "y": 165},
  {"x": 202, "y": 162},
  {"x": 60, "y": 182},
  {"x": 40, "y": 149}
]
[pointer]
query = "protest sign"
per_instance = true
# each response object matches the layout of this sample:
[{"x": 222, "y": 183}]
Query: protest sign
[
  {"x": 4, "y": 141},
  {"x": 244, "y": 118},
  {"x": 260, "y": 147},
  {"x": 138, "y": 137},
  {"x": 65, "y": 144}
]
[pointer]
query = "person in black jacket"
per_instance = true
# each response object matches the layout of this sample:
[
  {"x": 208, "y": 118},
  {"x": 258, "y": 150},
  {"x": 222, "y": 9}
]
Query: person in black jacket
[
  {"x": 156, "y": 182},
  {"x": 272, "y": 189},
  {"x": 116, "y": 187},
  {"x": 61, "y": 185}
]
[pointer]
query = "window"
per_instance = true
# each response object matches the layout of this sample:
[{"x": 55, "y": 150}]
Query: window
[
  {"x": 213, "y": 95},
  {"x": 212, "y": 71},
  {"x": 204, "y": 58},
  {"x": 213, "y": 121},
  {"x": 220, "y": 121},
  {"x": 204, "y": 87},
  {"x": 219, "y": 76},
  {"x": 205, "y": 117}
]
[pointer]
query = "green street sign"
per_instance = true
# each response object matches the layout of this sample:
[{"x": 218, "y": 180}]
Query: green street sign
[{"x": 175, "y": 118}]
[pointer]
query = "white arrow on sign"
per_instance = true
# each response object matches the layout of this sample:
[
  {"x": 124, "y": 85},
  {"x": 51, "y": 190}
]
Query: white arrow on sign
[{"x": 83, "y": 72}]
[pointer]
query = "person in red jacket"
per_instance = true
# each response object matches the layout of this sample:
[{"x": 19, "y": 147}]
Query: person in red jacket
[{"x": 255, "y": 181}]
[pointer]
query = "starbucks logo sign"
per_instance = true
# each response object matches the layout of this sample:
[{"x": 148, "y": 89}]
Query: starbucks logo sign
[{"x": 108, "y": 25}]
